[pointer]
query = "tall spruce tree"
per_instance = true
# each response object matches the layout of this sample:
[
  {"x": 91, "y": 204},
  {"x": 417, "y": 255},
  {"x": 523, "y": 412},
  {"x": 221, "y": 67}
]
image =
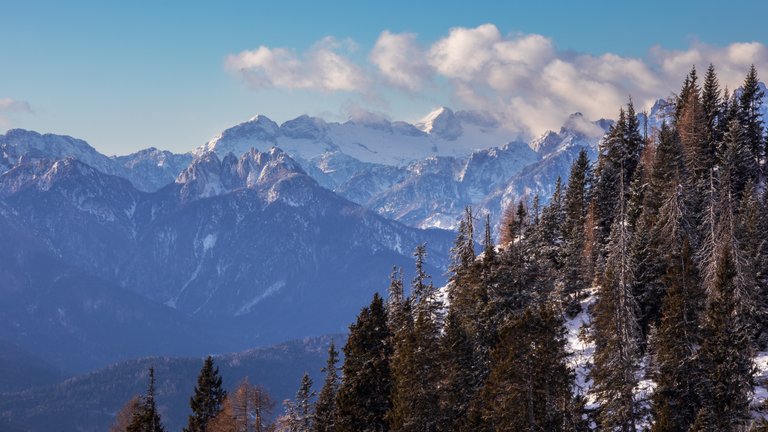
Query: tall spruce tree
[
  {"x": 711, "y": 103},
  {"x": 207, "y": 401},
  {"x": 458, "y": 384},
  {"x": 529, "y": 386},
  {"x": 575, "y": 277},
  {"x": 299, "y": 413},
  {"x": 751, "y": 119},
  {"x": 674, "y": 346},
  {"x": 147, "y": 418},
  {"x": 363, "y": 399},
  {"x": 325, "y": 407},
  {"x": 415, "y": 373},
  {"x": 616, "y": 333},
  {"x": 725, "y": 355}
]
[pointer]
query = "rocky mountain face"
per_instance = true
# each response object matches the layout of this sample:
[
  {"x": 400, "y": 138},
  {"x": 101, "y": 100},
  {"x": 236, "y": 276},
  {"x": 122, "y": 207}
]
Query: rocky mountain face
[
  {"x": 236, "y": 252},
  {"x": 148, "y": 170},
  {"x": 424, "y": 174}
]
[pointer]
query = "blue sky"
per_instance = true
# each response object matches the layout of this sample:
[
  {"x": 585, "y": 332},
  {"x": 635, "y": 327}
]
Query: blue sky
[{"x": 128, "y": 75}]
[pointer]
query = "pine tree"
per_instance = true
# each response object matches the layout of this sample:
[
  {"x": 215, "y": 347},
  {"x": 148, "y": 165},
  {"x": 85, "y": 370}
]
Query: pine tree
[
  {"x": 616, "y": 333},
  {"x": 529, "y": 387},
  {"x": 325, "y": 408},
  {"x": 725, "y": 356},
  {"x": 674, "y": 346},
  {"x": 711, "y": 101},
  {"x": 363, "y": 399},
  {"x": 750, "y": 118},
  {"x": 299, "y": 413},
  {"x": 575, "y": 205},
  {"x": 457, "y": 386},
  {"x": 415, "y": 372},
  {"x": 207, "y": 401},
  {"x": 650, "y": 242},
  {"x": 146, "y": 418}
]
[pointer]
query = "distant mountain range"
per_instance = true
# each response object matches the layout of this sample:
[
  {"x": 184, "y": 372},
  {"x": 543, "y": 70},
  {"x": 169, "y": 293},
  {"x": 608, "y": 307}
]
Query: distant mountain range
[
  {"x": 235, "y": 253},
  {"x": 89, "y": 402},
  {"x": 265, "y": 233}
]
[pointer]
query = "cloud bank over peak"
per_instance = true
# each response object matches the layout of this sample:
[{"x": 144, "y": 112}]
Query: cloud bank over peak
[{"x": 524, "y": 80}]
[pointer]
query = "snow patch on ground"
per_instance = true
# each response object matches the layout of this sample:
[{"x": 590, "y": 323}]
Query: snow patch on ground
[
  {"x": 580, "y": 347},
  {"x": 760, "y": 397},
  {"x": 209, "y": 242}
]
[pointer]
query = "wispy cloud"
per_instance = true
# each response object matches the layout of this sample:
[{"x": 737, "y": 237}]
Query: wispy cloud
[
  {"x": 9, "y": 107},
  {"x": 324, "y": 67},
  {"x": 523, "y": 79}
]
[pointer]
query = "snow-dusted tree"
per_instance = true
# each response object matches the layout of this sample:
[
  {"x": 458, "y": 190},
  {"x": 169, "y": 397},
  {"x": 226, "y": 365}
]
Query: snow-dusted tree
[
  {"x": 325, "y": 408},
  {"x": 616, "y": 333},
  {"x": 711, "y": 104},
  {"x": 363, "y": 399},
  {"x": 675, "y": 344},
  {"x": 725, "y": 354},
  {"x": 751, "y": 120},
  {"x": 415, "y": 368},
  {"x": 529, "y": 387},
  {"x": 575, "y": 275},
  {"x": 299, "y": 413},
  {"x": 458, "y": 384},
  {"x": 147, "y": 418}
]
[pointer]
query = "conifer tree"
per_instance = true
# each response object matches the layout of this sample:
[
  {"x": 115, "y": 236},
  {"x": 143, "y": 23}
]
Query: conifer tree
[
  {"x": 146, "y": 418},
  {"x": 529, "y": 387},
  {"x": 458, "y": 385},
  {"x": 415, "y": 373},
  {"x": 299, "y": 413},
  {"x": 363, "y": 399},
  {"x": 325, "y": 408},
  {"x": 674, "y": 346},
  {"x": 575, "y": 205},
  {"x": 616, "y": 333},
  {"x": 750, "y": 118},
  {"x": 711, "y": 102},
  {"x": 725, "y": 355},
  {"x": 207, "y": 401}
]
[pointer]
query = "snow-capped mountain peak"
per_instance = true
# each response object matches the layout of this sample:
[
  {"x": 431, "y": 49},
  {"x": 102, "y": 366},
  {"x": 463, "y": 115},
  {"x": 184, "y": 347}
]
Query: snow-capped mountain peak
[{"x": 441, "y": 122}]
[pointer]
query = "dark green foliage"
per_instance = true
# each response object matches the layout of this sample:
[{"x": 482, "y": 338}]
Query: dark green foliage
[
  {"x": 676, "y": 372},
  {"x": 363, "y": 399},
  {"x": 711, "y": 103},
  {"x": 325, "y": 408},
  {"x": 207, "y": 401},
  {"x": 146, "y": 418},
  {"x": 750, "y": 118},
  {"x": 529, "y": 386},
  {"x": 458, "y": 384},
  {"x": 574, "y": 276},
  {"x": 725, "y": 355},
  {"x": 616, "y": 333},
  {"x": 415, "y": 365}
]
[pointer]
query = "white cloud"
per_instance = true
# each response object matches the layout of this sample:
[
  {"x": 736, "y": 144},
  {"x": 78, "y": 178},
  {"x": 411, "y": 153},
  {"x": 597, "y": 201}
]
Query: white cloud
[
  {"x": 523, "y": 79},
  {"x": 400, "y": 60},
  {"x": 10, "y": 107},
  {"x": 323, "y": 68}
]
